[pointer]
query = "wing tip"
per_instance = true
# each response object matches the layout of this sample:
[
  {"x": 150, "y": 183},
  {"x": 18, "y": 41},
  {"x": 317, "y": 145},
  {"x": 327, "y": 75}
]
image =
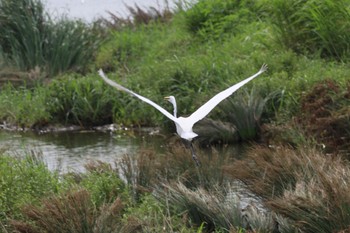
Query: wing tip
[{"x": 263, "y": 68}]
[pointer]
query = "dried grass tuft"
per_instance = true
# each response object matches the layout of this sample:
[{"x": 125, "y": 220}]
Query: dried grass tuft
[{"x": 303, "y": 185}]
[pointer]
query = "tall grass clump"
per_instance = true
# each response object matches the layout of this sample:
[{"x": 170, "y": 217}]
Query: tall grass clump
[
  {"x": 84, "y": 101},
  {"x": 313, "y": 27},
  {"x": 29, "y": 38},
  {"x": 245, "y": 111},
  {"x": 71, "y": 212},
  {"x": 303, "y": 185},
  {"x": 220, "y": 208}
]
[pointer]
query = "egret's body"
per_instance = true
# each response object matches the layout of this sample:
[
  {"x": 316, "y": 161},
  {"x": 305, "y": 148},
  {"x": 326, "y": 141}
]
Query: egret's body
[{"x": 184, "y": 125}]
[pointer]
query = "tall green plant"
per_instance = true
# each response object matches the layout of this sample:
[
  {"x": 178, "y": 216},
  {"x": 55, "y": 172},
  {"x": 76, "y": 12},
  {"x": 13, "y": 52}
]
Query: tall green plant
[
  {"x": 29, "y": 38},
  {"x": 214, "y": 18},
  {"x": 22, "y": 25},
  {"x": 317, "y": 27}
]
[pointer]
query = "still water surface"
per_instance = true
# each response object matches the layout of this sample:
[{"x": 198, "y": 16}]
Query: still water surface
[{"x": 70, "y": 151}]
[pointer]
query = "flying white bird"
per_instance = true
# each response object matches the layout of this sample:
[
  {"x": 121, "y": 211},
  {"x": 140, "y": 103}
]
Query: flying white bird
[{"x": 184, "y": 125}]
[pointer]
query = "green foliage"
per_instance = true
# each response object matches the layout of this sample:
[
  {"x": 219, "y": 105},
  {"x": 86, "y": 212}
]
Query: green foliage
[
  {"x": 24, "y": 181},
  {"x": 29, "y": 38},
  {"x": 124, "y": 46},
  {"x": 214, "y": 18},
  {"x": 316, "y": 27},
  {"x": 103, "y": 183},
  {"x": 154, "y": 216}
]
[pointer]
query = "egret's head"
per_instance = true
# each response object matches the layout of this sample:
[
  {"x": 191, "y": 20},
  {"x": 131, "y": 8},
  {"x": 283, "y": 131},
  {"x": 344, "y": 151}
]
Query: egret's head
[{"x": 171, "y": 99}]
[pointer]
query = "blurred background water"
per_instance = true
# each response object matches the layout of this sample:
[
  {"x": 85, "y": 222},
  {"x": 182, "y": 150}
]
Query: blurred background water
[{"x": 88, "y": 10}]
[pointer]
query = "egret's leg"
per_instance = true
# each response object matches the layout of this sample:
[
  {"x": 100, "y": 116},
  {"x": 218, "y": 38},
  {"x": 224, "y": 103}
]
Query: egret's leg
[
  {"x": 188, "y": 144},
  {"x": 194, "y": 157}
]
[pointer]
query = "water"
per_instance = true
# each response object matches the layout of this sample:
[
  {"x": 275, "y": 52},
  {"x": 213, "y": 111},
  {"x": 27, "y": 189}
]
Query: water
[
  {"x": 71, "y": 150},
  {"x": 89, "y": 10}
]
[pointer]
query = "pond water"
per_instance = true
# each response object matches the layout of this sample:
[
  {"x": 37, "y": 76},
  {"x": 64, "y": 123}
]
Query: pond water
[{"x": 69, "y": 151}]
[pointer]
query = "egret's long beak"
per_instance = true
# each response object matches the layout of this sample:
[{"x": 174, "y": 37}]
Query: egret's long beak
[{"x": 166, "y": 98}]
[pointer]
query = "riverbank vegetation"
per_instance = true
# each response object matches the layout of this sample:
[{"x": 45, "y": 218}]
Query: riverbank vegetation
[{"x": 295, "y": 180}]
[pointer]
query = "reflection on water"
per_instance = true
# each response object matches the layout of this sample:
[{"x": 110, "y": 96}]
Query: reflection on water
[{"x": 70, "y": 151}]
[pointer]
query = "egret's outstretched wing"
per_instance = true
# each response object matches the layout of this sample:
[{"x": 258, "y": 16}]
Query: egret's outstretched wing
[
  {"x": 150, "y": 102},
  {"x": 208, "y": 106}
]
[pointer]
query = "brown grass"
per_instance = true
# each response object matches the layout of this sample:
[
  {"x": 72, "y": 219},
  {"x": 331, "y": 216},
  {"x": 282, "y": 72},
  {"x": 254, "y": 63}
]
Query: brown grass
[
  {"x": 138, "y": 16},
  {"x": 325, "y": 115},
  {"x": 303, "y": 185},
  {"x": 151, "y": 168},
  {"x": 72, "y": 212}
]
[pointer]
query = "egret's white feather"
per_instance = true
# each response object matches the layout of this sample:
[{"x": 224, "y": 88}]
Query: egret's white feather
[{"x": 184, "y": 124}]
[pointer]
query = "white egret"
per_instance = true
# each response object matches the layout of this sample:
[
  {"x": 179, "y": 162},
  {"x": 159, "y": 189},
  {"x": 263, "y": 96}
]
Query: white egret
[{"x": 184, "y": 124}]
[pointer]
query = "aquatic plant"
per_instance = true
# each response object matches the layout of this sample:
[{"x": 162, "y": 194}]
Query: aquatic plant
[{"x": 221, "y": 208}]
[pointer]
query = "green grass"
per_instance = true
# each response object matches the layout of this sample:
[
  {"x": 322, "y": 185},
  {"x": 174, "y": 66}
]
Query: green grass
[{"x": 24, "y": 181}]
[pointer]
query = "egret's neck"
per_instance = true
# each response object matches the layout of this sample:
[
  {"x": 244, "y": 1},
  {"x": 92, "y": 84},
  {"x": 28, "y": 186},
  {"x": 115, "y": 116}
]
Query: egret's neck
[{"x": 175, "y": 108}]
